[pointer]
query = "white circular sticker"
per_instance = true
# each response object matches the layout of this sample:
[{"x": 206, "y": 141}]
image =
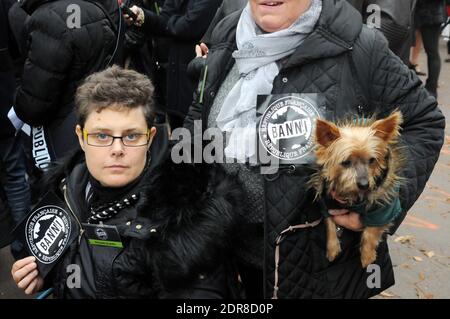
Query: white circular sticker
[
  {"x": 47, "y": 233},
  {"x": 286, "y": 128}
]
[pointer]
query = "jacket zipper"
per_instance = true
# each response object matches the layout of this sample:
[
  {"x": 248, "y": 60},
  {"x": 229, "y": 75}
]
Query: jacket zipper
[{"x": 74, "y": 215}]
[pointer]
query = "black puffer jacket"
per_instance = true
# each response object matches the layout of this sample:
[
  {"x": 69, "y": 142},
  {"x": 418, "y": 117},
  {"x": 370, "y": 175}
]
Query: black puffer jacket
[
  {"x": 7, "y": 80},
  {"x": 60, "y": 56},
  {"x": 175, "y": 238},
  {"x": 377, "y": 83}
]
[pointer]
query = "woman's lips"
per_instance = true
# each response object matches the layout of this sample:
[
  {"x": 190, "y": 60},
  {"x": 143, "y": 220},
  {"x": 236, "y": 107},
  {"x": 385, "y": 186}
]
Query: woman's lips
[
  {"x": 271, "y": 3},
  {"x": 116, "y": 167},
  {"x": 270, "y": 6}
]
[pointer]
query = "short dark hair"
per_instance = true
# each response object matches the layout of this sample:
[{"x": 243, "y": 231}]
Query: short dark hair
[{"x": 115, "y": 87}]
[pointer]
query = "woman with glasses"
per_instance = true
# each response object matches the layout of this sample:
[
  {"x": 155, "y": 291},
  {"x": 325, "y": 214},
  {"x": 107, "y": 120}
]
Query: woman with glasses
[{"x": 144, "y": 229}]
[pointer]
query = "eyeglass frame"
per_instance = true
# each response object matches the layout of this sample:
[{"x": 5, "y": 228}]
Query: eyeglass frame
[{"x": 86, "y": 134}]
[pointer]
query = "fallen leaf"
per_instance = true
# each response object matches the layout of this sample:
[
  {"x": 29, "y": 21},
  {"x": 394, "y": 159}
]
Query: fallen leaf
[
  {"x": 421, "y": 276},
  {"x": 386, "y": 294},
  {"x": 429, "y": 254},
  {"x": 417, "y": 258},
  {"x": 406, "y": 266},
  {"x": 404, "y": 239}
]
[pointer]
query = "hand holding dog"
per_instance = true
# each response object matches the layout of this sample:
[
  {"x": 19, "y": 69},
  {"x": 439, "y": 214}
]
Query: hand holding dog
[{"x": 347, "y": 219}]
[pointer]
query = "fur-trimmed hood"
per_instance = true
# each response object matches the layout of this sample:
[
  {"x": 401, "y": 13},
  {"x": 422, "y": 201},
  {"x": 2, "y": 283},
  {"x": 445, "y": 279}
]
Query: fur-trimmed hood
[{"x": 194, "y": 210}]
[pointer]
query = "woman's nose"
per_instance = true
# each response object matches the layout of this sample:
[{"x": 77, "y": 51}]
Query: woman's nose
[{"x": 117, "y": 147}]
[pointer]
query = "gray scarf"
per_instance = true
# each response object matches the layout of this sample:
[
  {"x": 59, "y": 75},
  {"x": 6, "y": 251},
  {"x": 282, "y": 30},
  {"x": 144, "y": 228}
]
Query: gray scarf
[{"x": 256, "y": 59}]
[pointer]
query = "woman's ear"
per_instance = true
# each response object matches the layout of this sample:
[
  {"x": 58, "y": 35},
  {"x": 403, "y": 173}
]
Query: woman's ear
[
  {"x": 152, "y": 135},
  {"x": 79, "y": 133}
]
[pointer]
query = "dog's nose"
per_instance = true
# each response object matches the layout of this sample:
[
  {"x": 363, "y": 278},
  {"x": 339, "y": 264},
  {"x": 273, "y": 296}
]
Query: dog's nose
[{"x": 363, "y": 184}]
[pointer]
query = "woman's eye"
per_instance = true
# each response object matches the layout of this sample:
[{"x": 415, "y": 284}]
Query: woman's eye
[
  {"x": 372, "y": 160},
  {"x": 101, "y": 136},
  {"x": 131, "y": 137}
]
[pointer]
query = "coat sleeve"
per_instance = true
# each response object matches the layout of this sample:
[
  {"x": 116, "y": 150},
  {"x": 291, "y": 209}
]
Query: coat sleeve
[
  {"x": 394, "y": 86},
  {"x": 191, "y": 24},
  {"x": 45, "y": 70}
]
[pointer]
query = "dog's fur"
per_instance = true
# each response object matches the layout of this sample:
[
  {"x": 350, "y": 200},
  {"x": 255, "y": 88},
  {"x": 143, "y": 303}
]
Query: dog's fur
[{"x": 359, "y": 162}]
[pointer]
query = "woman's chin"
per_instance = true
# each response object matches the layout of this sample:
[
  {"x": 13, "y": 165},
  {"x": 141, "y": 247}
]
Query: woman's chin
[
  {"x": 115, "y": 181},
  {"x": 271, "y": 24}
]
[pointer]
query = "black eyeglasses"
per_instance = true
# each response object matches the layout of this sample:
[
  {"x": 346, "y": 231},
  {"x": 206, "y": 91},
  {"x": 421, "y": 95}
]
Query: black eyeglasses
[{"x": 105, "y": 140}]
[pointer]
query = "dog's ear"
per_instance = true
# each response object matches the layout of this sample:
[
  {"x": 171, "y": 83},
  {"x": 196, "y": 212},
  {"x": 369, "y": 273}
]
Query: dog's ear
[
  {"x": 326, "y": 132},
  {"x": 388, "y": 128}
]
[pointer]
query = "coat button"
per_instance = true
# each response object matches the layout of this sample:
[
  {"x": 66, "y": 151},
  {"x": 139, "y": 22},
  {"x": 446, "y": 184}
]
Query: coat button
[
  {"x": 138, "y": 226},
  {"x": 212, "y": 94},
  {"x": 285, "y": 80}
]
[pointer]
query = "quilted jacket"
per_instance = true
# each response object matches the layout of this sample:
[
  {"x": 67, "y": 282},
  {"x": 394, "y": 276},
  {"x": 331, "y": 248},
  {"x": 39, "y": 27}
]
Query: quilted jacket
[
  {"x": 353, "y": 68},
  {"x": 59, "y": 57}
]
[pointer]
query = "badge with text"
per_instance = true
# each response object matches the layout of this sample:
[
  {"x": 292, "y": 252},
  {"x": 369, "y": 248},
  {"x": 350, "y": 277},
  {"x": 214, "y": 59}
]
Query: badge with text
[
  {"x": 103, "y": 235},
  {"x": 286, "y": 124},
  {"x": 48, "y": 231}
]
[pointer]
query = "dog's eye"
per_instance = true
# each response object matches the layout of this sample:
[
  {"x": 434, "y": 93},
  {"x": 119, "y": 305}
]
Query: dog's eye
[
  {"x": 346, "y": 163},
  {"x": 372, "y": 160}
]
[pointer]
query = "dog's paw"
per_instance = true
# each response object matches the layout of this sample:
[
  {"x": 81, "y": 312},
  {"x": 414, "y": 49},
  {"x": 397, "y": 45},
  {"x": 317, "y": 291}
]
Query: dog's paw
[{"x": 333, "y": 250}]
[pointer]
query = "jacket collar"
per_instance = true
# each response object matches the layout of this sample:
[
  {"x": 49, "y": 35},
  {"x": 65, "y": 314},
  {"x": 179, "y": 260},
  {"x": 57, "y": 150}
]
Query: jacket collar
[{"x": 336, "y": 31}]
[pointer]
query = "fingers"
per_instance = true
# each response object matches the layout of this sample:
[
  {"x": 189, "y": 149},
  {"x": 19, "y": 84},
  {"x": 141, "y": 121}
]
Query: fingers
[
  {"x": 22, "y": 267},
  {"x": 201, "y": 50},
  {"x": 350, "y": 221},
  {"x": 25, "y": 274},
  {"x": 135, "y": 9},
  {"x": 31, "y": 286},
  {"x": 36, "y": 285},
  {"x": 128, "y": 20},
  {"x": 336, "y": 212},
  {"x": 204, "y": 48},
  {"x": 22, "y": 262},
  {"x": 25, "y": 282},
  {"x": 198, "y": 51}
]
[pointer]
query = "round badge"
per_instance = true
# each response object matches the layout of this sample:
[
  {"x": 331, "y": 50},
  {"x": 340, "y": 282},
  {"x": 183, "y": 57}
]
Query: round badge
[
  {"x": 286, "y": 128},
  {"x": 47, "y": 233}
]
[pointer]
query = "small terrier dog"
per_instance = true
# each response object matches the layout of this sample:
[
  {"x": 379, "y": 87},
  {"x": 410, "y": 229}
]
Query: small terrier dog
[{"x": 359, "y": 163}]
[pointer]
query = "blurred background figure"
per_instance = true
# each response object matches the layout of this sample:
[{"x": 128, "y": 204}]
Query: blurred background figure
[
  {"x": 183, "y": 23},
  {"x": 415, "y": 52},
  {"x": 66, "y": 40},
  {"x": 12, "y": 158},
  {"x": 448, "y": 22},
  {"x": 429, "y": 18},
  {"x": 148, "y": 55},
  {"x": 396, "y": 22},
  {"x": 226, "y": 8}
]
